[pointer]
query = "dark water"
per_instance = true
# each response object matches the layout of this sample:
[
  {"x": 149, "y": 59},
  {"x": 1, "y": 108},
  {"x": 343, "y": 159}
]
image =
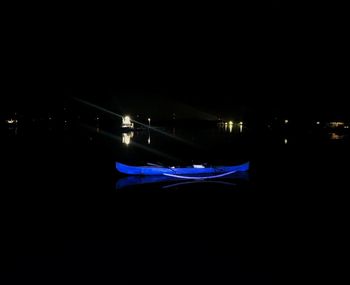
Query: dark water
[{"x": 66, "y": 220}]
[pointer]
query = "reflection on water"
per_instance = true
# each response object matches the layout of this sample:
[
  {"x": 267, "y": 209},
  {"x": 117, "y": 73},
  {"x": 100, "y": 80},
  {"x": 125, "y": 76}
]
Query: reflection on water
[
  {"x": 335, "y": 136},
  {"x": 165, "y": 182},
  {"x": 13, "y": 130},
  {"x": 126, "y": 137},
  {"x": 175, "y": 185},
  {"x": 231, "y": 127}
]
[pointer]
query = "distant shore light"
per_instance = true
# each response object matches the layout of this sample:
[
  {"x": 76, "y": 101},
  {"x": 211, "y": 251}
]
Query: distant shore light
[
  {"x": 127, "y": 120},
  {"x": 336, "y": 124},
  {"x": 11, "y": 121}
]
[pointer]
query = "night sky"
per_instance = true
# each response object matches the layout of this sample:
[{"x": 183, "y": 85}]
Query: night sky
[{"x": 261, "y": 57}]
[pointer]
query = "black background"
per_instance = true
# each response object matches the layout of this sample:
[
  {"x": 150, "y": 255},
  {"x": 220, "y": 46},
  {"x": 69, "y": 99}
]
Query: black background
[{"x": 267, "y": 57}]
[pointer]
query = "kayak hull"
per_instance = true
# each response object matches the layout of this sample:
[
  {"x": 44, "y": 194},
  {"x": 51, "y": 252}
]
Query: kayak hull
[{"x": 151, "y": 170}]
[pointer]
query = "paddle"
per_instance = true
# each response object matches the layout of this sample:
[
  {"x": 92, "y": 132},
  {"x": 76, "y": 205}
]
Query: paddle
[
  {"x": 155, "y": 165},
  {"x": 198, "y": 177}
]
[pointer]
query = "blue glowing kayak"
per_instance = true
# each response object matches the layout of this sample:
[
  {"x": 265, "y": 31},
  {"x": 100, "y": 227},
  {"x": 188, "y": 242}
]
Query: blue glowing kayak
[
  {"x": 135, "y": 180},
  {"x": 191, "y": 170}
]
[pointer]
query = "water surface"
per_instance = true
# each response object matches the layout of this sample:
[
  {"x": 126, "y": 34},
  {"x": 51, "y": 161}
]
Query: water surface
[{"x": 66, "y": 216}]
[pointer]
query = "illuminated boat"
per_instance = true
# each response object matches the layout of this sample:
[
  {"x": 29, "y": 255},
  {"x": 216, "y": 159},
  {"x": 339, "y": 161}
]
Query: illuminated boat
[
  {"x": 127, "y": 124},
  {"x": 190, "y": 172}
]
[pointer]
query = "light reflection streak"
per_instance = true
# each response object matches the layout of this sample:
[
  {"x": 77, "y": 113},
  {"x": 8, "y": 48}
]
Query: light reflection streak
[
  {"x": 134, "y": 144},
  {"x": 126, "y": 137},
  {"x": 335, "y": 136},
  {"x": 230, "y": 128},
  {"x": 137, "y": 122}
]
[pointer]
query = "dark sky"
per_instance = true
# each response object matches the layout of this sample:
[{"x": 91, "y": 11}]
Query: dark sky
[{"x": 266, "y": 55}]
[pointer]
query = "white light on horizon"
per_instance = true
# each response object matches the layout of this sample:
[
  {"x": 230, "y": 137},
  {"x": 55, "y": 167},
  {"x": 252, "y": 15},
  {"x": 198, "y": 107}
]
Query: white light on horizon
[
  {"x": 11, "y": 121},
  {"x": 127, "y": 120}
]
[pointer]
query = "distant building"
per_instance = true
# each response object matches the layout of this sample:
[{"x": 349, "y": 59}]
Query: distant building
[{"x": 126, "y": 123}]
